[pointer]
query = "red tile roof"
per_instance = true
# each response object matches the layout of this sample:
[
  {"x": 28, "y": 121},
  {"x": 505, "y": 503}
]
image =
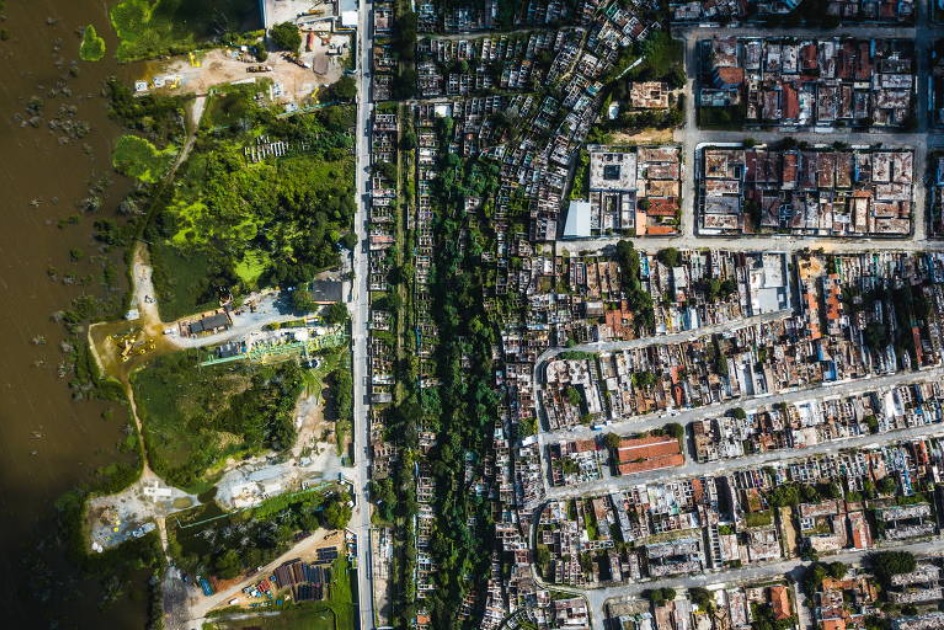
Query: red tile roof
[
  {"x": 655, "y": 463},
  {"x": 791, "y": 102},
  {"x": 660, "y": 207},
  {"x": 729, "y": 76},
  {"x": 780, "y": 600},
  {"x": 646, "y": 447}
]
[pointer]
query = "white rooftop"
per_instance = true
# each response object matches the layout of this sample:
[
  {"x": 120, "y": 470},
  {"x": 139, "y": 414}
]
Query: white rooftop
[
  {"x": 349, "y": 19},
  {"x": 578, "y": 220}
]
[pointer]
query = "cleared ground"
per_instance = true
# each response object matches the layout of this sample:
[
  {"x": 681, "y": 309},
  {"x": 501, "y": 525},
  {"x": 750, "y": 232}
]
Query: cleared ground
[
  {"x": 112, "y": 518},
  {"x": 291, "y": 82}
]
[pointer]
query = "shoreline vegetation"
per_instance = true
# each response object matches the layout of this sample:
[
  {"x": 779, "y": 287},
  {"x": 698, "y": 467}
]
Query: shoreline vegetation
[
  {"x": 149, "y": 29},
  {"x": 92, "y": 47},
  {"x": 137, "y": 158},
  {"x": 226, "y": 223}
]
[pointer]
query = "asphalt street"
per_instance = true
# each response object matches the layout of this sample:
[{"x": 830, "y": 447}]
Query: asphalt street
[{"x": 359, "y": 306}]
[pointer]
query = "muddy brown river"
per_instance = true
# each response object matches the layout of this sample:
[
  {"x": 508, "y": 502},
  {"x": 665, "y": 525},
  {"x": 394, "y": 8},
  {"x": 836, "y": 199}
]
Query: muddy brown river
[{"x": 48, "y": 442}]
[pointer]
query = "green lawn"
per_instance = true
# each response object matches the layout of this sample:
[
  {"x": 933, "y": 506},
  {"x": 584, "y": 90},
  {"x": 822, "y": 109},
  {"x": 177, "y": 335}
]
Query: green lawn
[
  {"x": 722, "y": 117},
  {"x": 760, "y": 519},
  {"x": 151, "y": 28}
]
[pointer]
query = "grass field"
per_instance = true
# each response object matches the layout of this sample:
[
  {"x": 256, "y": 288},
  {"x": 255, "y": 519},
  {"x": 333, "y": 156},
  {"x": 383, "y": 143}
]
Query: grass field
[
  {"x": 189, "y": 538},
  {"x": 151, "y": 28},
  {"x": 136, "y": 157},
  {"x": 180, "y": 281},
  {"x": 195, "y": 417},
  {"x": 175, "y": 404},
  {"x": 305, "y": 617}
]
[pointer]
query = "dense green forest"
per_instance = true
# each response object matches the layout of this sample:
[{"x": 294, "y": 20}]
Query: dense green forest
[
  {"x": 466, "y": 405},
  {"x": 235, "y": 223}
]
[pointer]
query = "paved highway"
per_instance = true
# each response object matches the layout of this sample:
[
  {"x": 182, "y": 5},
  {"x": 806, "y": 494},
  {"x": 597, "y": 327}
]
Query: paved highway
[{"x": 359, "y": 306}]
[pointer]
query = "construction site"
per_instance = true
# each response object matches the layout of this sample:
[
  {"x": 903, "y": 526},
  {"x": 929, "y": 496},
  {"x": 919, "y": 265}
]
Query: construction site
[{"x": 326, "y": 31}]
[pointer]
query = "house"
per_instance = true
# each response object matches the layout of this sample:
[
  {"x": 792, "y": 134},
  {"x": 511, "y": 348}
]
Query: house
[
  {"x": 211, "y": 324},
  {"x": 727, "y": 78},
  {"x": 780, "y": 602},
  {"x": 649, "y": 95}
]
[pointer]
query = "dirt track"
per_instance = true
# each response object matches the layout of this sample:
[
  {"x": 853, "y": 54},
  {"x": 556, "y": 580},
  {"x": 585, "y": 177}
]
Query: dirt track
[{"x": 200, "y": 605}]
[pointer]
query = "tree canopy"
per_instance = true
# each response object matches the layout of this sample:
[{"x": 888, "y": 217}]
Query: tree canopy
[
  {"x": 888, "y": 563},
  {"x": 93, "y": 46},
  {"x": 639, "y": 299},
  {"x": 344, "y": 89},
  {"x": 285, "y": 36},
  {"x": 336, "y": 313},
  {"x": 241, "y": 224},
  {"x": 669, "y": 257},
  {"x": 659, "y": 596},
  {"x": 337, "y": 514},
  {"x": 303, "y": 302}
]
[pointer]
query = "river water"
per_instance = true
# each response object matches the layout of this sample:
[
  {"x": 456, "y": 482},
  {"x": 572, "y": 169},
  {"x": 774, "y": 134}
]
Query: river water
[{"x": 48, "y": 442}]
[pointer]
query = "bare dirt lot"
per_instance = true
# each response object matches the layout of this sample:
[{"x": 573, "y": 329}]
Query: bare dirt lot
[
  {"x": 292, "y": 82},
  {"x": 313, "y": 459},
  {"x": 113, "y": 518},
  {"x": 645, "y": 136}
]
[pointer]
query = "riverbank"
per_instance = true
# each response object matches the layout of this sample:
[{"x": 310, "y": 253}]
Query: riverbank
[{"x": 122, "y": 347}]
